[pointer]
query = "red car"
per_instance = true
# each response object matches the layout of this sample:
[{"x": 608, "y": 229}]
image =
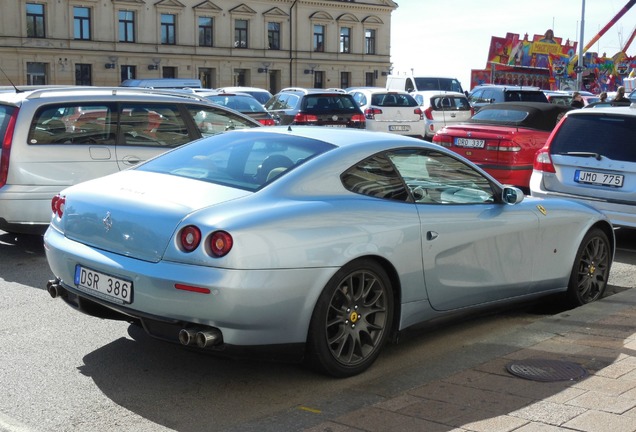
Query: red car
[{"x": 503, "y": 138}]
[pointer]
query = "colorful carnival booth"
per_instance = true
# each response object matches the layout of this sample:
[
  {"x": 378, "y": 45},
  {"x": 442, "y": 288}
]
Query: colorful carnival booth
[{"x": 550, "y": 63}]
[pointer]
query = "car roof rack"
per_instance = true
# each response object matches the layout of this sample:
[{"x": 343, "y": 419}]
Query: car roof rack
[{"x": 38, "y": 93}]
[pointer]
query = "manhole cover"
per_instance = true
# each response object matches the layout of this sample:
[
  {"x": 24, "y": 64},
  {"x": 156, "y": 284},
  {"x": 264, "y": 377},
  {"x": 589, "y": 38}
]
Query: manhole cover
[{"x": 546, "y": 370}]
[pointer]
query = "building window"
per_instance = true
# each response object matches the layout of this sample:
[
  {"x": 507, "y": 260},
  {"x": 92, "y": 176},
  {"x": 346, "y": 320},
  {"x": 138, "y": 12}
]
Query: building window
[
  {"x": 240, "y": 33},
  {"x": 369, "y": 41},
  {"x": 81, "y": 23},
  {"x": 319, "y": 79},
  {"x": 127, "y": 72},
  {"x": 83, "y": 74},
  {"x": 126, "y": 26},
  {"x": 168, "y": 27},
  {"x": 345, "y": 40},
  {"x": 205, "y": 31},
  {"x": 273, "y": 35},
  {"x": 169, "y": 72},
  {"x": 345, "y": 79},
  {"x": 319, "y": 38},
  {"x": 369, "y": 79},
  {"x": 36, "y": 74},
  {"x": 35, "y": 20}
]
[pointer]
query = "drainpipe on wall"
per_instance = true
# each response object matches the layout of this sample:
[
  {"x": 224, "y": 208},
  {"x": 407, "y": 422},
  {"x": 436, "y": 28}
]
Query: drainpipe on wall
[{"x": 291, "y": 54}]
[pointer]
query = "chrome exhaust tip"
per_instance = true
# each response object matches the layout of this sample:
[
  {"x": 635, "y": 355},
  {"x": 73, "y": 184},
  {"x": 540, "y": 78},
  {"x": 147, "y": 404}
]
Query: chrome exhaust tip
[
  {"x": 55, "y": 289},
  {"x": 208, "y": 338},
  {"x": 187, "y": 336}
]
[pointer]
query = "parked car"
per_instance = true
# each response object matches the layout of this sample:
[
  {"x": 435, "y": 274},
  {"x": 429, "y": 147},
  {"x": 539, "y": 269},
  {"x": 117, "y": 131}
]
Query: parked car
[
  {"x": 591, "y": 158},
  {"x": 503, "y": 138},
  {"x": 486, "y": 94},
  {"x": 259, "y": 94},
  {"x": 443, "y": 108},
  {"x": 390, "y": 111},
  {"x": 316, "y": 107},
  {"x": 241, "y": 102},
  {"x": 326, "y": 243},
  {"x": 564, "y": 97},
  {"x": 53, "y": 138}
]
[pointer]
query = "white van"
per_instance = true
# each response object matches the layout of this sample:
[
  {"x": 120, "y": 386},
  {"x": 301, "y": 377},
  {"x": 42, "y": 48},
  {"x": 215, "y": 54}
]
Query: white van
[
  {"x": 163, "y": 83},
  {"x": 411, "y": 83}
]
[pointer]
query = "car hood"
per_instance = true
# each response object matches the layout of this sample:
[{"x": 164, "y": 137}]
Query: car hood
[{"x": 136, "y": 213}]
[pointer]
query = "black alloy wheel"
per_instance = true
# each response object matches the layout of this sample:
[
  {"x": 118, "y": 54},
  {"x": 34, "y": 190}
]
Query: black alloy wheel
[
  {"x": 590, "y": 271},
  {"x": 352, "y": 320}
]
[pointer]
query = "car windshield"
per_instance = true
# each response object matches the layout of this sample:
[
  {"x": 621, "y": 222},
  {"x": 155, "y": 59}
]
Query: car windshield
[
  {"x": 238, "y": 160},
  {"x": 611, "y": 136},
  {"x": 393, "y": 100}
]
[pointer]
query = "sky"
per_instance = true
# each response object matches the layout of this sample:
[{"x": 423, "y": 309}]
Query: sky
[{"x": 451, "y": 37}]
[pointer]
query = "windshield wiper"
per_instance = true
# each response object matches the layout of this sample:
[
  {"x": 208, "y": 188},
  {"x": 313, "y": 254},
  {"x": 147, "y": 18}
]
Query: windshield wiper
[{"x": 597, "y": 156}]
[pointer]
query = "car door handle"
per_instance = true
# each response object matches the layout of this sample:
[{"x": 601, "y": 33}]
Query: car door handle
[
  {"x": 131, "y": 160},
  {"x": 431, "y": 235}
]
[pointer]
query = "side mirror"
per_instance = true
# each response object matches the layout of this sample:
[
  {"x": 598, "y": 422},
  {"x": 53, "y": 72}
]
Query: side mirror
[{"x": 512, "y": 195}]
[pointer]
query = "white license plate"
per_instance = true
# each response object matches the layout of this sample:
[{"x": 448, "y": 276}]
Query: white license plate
[
  {"x": 599, "y": 178},
  {"x": 469, "y": 142},
  {"x": 336, "y": 125},
  {"x": 399, "y": 128},
  {"x": 103, "y": 285}
]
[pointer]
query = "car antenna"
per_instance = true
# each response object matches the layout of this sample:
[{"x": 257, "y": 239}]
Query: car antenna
[
  {"x": 17, "y": 90},
  {"x": 289, "y": 129}
]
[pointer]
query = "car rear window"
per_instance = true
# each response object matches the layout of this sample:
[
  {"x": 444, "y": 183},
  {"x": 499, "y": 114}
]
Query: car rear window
[
  {"x": 242, "y": 161},
  {"x": 449, "y": 103},
  {"x": 608, "y": 135},
  {"x": 393, "y": 100},
  {"x": 329, "y": 103},
  {"x": 501, "y": 115}
]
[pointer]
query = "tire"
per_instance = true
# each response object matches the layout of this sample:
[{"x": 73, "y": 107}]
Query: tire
[
  {"x": 590, "y": 271},
  {"x": 351, "y": 321}
]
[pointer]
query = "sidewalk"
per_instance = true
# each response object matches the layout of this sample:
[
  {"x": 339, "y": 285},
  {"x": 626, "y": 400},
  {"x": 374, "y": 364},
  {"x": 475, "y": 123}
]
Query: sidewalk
[{"x": 600, "y": 337}]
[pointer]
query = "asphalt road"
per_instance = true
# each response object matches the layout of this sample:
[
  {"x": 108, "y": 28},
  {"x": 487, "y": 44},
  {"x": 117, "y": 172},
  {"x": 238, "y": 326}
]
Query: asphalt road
[{"x": 64, "y": 371}]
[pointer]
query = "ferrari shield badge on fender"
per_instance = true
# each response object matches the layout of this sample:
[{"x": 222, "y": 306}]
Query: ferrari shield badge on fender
[{"x": 542, "y": 209}]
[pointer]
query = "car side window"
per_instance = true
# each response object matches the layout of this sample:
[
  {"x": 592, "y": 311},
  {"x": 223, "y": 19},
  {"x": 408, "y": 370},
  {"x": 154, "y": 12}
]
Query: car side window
[
  {"x": 153, "y": 125},
  {"x": 73, "y": 124},
  {"x": 376, "y": 177},
  {"x": 433, "y": 177},
  {"x": 212, "y": 121}
]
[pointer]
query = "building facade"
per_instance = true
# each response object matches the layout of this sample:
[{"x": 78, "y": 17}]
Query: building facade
[{"x": 267, "y": 44}]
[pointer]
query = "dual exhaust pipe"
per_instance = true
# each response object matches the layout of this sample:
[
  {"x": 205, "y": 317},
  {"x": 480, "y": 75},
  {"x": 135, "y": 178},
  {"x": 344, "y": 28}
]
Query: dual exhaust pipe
[{"x": 202, "y": 338}]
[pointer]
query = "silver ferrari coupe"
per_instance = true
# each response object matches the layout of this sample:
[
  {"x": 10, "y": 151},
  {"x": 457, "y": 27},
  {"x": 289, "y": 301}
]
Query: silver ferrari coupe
[{"x": 325, "y": 241}]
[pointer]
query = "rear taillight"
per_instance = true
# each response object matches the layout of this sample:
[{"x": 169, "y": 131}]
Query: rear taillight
[
  {"x": 428, "y": 113},
  {"x": 190, "y": 238},
  {"x": 267, "y": 122},
  {"x": 220, "y": 243},
  {"x": 419, "y": 112},
  {"x": 6, "y": 148},
  {"x": 57, "y": 205},
  {"x": 358, "y": 118},
  {"x": 305, "y": 118},
  {"x": 370, "y": 113},
  {"x": 443, "y": 140},
  {"x": 543, "y": 162},
  {"x": 504, "y": 146}
]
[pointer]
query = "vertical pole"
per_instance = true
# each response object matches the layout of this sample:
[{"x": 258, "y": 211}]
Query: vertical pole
[{"x": 579, "y": 75}]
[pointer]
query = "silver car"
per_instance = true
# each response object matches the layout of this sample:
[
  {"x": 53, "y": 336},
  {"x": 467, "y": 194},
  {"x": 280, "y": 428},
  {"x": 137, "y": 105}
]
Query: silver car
[
  {"x": 591, "y": 158},
  {"x": 325, "y": 242}
]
